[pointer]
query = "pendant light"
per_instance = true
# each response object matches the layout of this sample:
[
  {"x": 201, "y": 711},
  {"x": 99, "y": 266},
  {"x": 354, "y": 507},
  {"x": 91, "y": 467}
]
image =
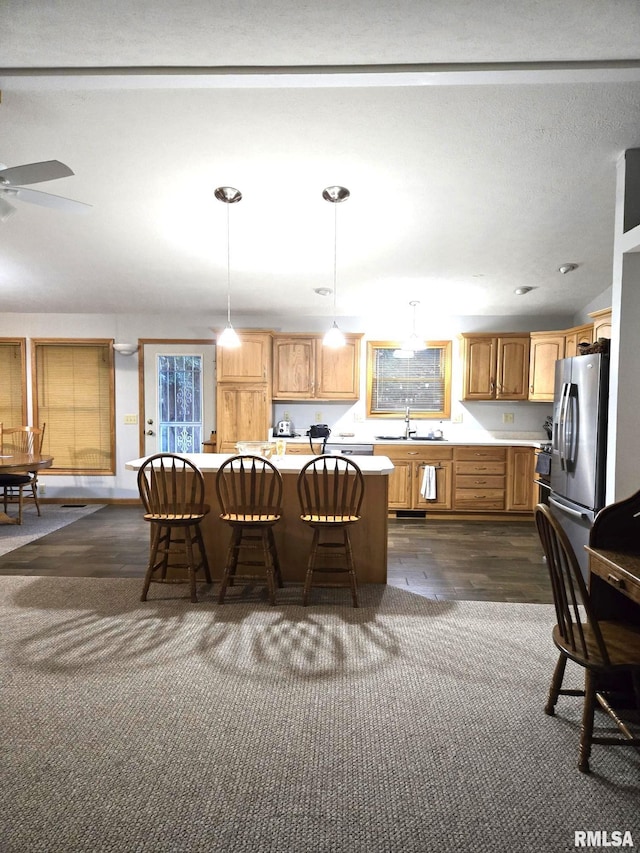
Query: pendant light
[
  {"x": 229, "y": 337},
  {"x": 334, "y": 337},
  {"x": 413, "y": 343}
]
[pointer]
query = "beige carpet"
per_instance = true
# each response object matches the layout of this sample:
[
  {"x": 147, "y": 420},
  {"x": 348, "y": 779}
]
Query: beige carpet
[{"x": 407, "y": 725}]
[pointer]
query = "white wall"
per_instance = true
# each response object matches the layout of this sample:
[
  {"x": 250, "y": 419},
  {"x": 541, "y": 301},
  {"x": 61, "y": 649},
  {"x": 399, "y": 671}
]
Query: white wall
[{"x": 477, "y": 418}]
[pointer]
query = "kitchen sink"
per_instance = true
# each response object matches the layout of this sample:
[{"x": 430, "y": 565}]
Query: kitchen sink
[
  {"x": 412, "y": 438},
  {"x": 427, "y": 438},
  {"x": 390, "y": 438}
]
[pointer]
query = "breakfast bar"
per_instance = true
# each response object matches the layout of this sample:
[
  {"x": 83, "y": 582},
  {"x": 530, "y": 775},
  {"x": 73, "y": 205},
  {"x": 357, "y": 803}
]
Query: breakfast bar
[{"x": 293, "y": 538}]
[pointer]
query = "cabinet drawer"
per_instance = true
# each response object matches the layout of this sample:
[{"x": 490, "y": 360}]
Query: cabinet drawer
[
  {"x": 495, "y": 454},
  {"x": 481, "y": 468},
  {"x": 475, "y": 481},
  {"x": 480, "y": 498},
  {"x": 414, "y": 453},
  {"x": 615, "y": 575},
  {"x": 299, "y": 449}
]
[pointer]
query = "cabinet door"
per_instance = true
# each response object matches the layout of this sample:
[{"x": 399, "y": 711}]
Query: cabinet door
[
  {"x": 338, "y": 371},
  {"x": 512, "y": 369},
  {"x": 400, "y": 485},
  {"x": 573, "y": 337},
  {"x": 243, "y": 414},
  {"x": 520, "y": 475},
  {"x": 443, "y": 496},
  {"x": 293, "y": 368},
  {"x": 545, "y": 351},
  {"x": 479, "y": 378},
  {"x": 250, "y": 362},
  {"x": 601, "y": 324}
]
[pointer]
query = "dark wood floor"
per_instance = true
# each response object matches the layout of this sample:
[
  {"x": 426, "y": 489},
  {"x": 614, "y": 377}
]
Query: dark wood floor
[{"x": 482, "y": 561}]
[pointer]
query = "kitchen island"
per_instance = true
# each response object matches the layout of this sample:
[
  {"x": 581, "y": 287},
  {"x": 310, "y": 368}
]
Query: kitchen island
[{"x": 293, "y": 538}]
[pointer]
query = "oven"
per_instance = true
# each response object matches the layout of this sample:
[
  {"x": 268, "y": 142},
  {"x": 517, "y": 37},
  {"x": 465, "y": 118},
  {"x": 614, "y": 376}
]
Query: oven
[{"x": 543, "y": 473}]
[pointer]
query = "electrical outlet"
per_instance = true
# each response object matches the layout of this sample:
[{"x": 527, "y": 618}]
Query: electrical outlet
[
  {"x": 285, "y": 416},
  {"x": 318, "y": 417},
  {"x": 42, "y": 489},
  {"x": 131, "y": 419},
  {"x": 507, "y": 417},
  {"x": 457, "y": 418},
  {"x": 358, "y": 417}
]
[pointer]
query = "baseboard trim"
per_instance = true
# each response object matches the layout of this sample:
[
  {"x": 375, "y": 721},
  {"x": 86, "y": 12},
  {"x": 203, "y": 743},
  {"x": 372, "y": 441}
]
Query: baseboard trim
[{"x": 82, "y": 500}]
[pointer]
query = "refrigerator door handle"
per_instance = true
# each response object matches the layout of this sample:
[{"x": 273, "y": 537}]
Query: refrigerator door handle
[
  {"x": 573, "y": 512},
  {"x": 562, "y": 430}
]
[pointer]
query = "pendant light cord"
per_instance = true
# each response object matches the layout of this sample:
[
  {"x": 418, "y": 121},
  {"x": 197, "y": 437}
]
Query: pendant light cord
[
  {"x": 335, "y": 259},
  {"x": 228, "y": 270}
]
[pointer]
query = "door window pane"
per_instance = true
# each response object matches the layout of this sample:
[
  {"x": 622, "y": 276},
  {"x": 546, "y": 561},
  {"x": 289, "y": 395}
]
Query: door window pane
[{"x": 179, "y": 403}]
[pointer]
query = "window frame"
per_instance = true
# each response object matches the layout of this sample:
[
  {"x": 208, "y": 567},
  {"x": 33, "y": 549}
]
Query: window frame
[
  {"x": 443, "y": 414},
  {"x": 107, "y": 345},
  {"x": 22, "y": 344}
]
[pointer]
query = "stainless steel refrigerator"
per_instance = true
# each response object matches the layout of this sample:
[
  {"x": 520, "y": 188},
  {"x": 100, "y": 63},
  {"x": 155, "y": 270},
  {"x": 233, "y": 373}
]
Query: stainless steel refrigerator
[{"x": 579, "y": 446}]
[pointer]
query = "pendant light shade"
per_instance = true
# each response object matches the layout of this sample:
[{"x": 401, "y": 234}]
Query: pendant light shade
[
  {"x": 334, "y": 337},
  {"x": 414, "y": 343},
  {"x": 229, "y": 337}
]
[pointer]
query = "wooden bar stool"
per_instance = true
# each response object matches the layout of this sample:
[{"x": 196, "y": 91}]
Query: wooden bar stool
[
  {"x": 331, "y": 489},
  {"x": 250, "y": 494},
  {"x": 172, "y": 492}
]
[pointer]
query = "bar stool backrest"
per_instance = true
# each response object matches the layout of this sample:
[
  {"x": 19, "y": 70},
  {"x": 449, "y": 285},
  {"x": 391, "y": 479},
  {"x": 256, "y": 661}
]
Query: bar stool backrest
[{"x": 171, "y": 485}]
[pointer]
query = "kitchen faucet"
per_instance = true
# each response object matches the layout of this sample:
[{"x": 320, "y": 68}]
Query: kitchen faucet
[{"x": 407, "y": 419}]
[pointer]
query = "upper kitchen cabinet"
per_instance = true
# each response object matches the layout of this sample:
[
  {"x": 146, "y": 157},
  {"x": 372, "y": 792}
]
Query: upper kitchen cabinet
[
  {"x": 576, "y": 336},
  {"x": 304, "y": 369},
  {"x": 601, "y": 323},
  {"x": 495, "y": 367},
  {"x": 250, "y": 362},
  {"x": 546, "y": 349}
]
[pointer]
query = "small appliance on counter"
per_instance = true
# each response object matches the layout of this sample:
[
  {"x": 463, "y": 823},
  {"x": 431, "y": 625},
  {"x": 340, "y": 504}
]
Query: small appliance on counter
[{"x": 284, "y": 429}]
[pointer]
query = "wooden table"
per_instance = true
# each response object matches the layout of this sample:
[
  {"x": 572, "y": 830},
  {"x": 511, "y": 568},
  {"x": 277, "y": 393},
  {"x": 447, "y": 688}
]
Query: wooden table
[
  {"x": 293, "y": 537},
  {"x": 19, "y": 463},
  {"x": 614, "y": 584}
]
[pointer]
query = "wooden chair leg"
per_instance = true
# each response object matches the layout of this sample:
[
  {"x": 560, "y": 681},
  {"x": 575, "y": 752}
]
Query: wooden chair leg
[
  {"x": 556, "y": 684},
  {"x": 191, "y": 563},
  {"x": 310, "y": 566},
  {"x": 34, "y": 492},
  {"x": 203, "y": 554},
  {"x": 231, "y": 564},
  {"x": 269, "y": 566},
  {"x": 351, "y": 566},
  {"x": 20, "y": 504},
  {"x": 586, "y": 732},
  {"x": 153, "y": 552},
  {"x": 274, "y": 557}
]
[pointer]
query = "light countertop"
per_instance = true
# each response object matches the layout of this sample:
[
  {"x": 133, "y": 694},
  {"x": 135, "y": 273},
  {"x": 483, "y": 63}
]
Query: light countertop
[{"x": 211, "y": 462}]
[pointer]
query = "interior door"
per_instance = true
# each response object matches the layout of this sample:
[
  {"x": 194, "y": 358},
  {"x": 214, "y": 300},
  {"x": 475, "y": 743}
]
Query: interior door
[{"x": 179, "y": 396}]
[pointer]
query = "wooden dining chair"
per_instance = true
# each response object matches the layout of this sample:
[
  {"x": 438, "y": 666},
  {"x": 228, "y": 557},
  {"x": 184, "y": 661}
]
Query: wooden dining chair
[
  {"x": 330, "y": 491},
  {"x": 249, "y": 490},
  {"x": 172, "y": 493},
  {"x": 605, "y": 649},
  {"x": 23, "y": 439}
]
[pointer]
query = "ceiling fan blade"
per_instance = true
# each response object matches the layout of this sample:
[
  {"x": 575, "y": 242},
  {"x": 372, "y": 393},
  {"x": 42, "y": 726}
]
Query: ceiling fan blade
[
  {"x": 6, "y": 210},
  {"x": 34, "y": 173},
  {"x": 47, "y": 200}
]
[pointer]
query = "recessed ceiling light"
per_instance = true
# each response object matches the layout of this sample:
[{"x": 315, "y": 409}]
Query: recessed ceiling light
[
  {"x": 520, "y": 291},
  {"x": 565, "y": 268},
  {"x": 323, "y": 291}
]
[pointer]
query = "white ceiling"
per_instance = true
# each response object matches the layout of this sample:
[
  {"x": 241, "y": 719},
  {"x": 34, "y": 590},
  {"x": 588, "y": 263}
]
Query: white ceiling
[{"x": 480, "y": 159}]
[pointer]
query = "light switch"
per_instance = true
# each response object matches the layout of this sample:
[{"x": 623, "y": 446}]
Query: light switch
[{"x": 131, "y": 419}]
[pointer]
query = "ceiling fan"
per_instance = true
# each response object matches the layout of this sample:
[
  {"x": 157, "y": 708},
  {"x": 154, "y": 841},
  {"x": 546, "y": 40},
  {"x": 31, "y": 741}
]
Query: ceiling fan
[{"x": 11, "y": 181}]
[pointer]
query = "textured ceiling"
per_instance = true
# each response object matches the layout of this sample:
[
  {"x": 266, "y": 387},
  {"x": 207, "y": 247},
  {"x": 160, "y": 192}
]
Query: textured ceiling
[{"x": 470, "y": 176}]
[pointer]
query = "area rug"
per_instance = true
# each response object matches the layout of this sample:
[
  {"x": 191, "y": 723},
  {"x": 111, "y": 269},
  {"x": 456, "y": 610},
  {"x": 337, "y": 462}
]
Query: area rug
[
  {"x": 54, "y": 516},
  {"x": 406, "y": 725}
]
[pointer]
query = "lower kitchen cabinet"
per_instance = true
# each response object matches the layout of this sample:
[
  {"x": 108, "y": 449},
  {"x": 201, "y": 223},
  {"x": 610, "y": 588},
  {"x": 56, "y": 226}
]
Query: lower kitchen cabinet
[
  {"x": 470, "y": 479},
  {"x": 480, "y": 478},
  {"x": 405, "y": 482}
]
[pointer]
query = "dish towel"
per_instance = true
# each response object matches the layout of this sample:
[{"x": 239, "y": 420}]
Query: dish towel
[{"x": 428, "y": 488}]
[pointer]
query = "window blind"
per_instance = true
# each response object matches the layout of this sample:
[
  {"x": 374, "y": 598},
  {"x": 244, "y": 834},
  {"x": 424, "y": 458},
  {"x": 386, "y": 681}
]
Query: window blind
[
  {"x": 421, "y": 382},
  {"x": 12, "y": 387},
  {"x": 74, "y": 396}
]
